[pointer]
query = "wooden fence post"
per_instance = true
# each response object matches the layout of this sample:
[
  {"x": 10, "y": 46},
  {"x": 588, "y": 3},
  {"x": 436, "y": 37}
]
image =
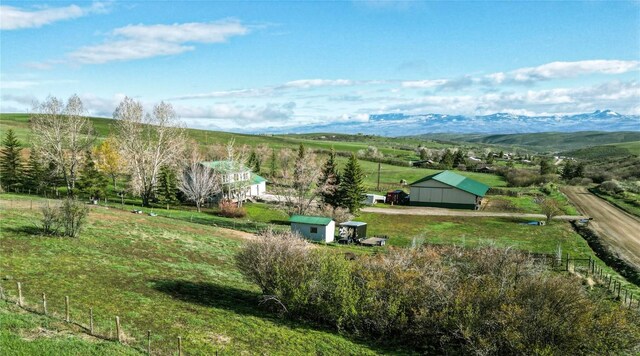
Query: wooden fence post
[
  {"x": 66, "y": 308},
  {"x": 148, "y": 342},
  {"x": 19, "y": 294},
  {"x": 91, "y": 321},
  {"x": 44, "y": 303},
  {"x": 118, "y": 329},
  {"x": 179, "y": 345}
]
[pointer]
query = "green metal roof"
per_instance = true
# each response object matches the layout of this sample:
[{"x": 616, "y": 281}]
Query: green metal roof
[
  {"x": 455, "y": 180},
  {"x": 256, "y": 179},
  {"x": 224, "y": 166},
  {"x": 311, "y": 220}
]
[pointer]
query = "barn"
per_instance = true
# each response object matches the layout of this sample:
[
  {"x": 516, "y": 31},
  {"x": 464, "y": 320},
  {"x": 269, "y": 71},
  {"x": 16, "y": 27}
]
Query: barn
[
  {"x": 316, "y": 228},
  {"x": 447, "y": 190}
]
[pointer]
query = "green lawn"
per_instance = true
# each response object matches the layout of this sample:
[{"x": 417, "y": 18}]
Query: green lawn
[{"x": 166, "y": 275}]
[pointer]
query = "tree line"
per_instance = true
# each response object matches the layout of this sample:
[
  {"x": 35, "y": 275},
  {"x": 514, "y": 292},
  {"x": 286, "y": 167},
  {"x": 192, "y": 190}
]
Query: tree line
[{"x": 149, "y": 155}]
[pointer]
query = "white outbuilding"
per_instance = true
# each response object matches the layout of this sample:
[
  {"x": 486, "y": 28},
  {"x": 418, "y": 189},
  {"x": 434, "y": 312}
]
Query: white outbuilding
[{"x": 316, "y": 228}]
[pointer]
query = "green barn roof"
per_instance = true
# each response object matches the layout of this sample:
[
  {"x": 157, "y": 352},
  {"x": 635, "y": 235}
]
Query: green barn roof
[
  {"x": 311, "y": 220},
  {"x": 455, "y": 180}
]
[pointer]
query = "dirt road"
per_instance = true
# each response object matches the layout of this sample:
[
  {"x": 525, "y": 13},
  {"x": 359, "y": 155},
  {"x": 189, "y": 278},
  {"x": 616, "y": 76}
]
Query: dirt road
[
  {"x": 618, "y": 229},
  {"x": 451, "y": 212}
]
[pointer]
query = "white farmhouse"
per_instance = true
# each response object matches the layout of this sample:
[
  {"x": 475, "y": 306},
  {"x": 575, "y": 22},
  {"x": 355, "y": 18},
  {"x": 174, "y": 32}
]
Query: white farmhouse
[{"x": 237, "y": 180}]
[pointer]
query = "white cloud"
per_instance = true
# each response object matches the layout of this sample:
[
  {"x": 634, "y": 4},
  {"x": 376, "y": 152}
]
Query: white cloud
[
  {"x": 529, "y": 75},
  {"x": 26, "y": 84},
  {"x": 13, "y": 18},
  {"x": 146, "y": 41},
  {"x": 617, "y": 95},
  {"x": 560, "y": 70},
  {"x": 317, "y": 83},
  {"x": 428, "y": 83}
]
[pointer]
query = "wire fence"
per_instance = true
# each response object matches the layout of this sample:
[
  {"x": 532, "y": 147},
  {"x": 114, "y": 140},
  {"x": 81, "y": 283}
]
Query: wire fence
[{"x": 96, "y": 323}]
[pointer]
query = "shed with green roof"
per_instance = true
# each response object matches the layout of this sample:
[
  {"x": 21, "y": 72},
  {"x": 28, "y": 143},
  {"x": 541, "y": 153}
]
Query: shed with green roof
[
  {"x": 316, "y": 228},
  {"x": 447, "y": 189}
]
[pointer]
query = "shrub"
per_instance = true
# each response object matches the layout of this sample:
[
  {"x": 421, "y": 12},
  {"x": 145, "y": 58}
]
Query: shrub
[
  {"x": 72, "y": 215},
  {"x": 439, "y": 299},
  {"x": 611, "y": 186},
  {"x": 49, "y": 223},
  {"x": 229, "y": 209}
]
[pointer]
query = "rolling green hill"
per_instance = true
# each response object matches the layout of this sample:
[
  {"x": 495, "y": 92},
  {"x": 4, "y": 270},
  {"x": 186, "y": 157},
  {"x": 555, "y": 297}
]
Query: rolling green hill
[
  {"x": 615, "y": 150},
  {"x": 546, "y": 141},
  {"x": 103, "y": 126}
]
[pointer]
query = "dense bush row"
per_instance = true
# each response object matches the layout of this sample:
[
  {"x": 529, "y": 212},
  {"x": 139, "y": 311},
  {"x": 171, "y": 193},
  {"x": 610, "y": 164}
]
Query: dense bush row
[{"x": 439, "y": 299}]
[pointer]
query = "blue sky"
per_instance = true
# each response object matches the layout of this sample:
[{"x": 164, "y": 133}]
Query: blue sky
[{"x": 254, "y": 65}]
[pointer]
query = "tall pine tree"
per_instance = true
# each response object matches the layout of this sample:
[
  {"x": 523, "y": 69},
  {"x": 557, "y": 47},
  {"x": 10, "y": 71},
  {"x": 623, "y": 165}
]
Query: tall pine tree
[
  {"x": 92, "y": 182},
  {"x": 330, "y": 182},
  {"x": 254, "y": 162},
  {"x": 10, "y": 162},
  {"x": 447, "y": 159},
  {"x": 167, "y": 187},
  {"x": 35, "y": 173},
  {"x": 352, "y": 185},
  {"x": 273, "y": 164}
]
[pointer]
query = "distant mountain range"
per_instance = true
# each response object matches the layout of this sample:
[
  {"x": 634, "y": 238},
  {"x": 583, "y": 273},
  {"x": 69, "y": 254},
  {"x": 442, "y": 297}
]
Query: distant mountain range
[{"x": 398, "y": 124}]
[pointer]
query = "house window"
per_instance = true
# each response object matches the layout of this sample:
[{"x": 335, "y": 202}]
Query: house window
[{"x": 314, "y": 230}]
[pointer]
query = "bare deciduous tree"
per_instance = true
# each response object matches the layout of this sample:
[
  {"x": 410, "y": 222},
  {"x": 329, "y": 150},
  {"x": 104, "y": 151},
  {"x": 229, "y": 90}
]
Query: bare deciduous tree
[
  {"x": 236, "y": 186},
  {"x": 148, "y": 142},
  {"x": 198, "y": 182},
  {"x": 61, "y": 135},
  {"x": 297, "y": 193}
]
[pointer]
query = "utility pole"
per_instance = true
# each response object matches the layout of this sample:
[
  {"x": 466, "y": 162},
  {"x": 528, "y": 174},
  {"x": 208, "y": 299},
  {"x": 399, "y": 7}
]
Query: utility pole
[{"x": 378, "y": 189}]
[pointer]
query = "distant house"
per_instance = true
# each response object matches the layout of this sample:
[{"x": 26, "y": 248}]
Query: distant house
[
  {"x": 237, "y": 180},
  {"x": 447, "y": 190},
  {"x": 316, "y": 228}
]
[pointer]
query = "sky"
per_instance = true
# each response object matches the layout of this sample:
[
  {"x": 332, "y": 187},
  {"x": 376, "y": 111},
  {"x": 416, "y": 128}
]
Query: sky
[{"x": 254, "y": 65}]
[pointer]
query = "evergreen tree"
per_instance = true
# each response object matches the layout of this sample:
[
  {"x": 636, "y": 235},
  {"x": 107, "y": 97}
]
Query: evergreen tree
[
  {"x": 568, "y": 171},
  {"x": 273, "y": 164},
  {"x": 447, "y": 159},
  {"x": 352, "y": 185},
  {"x": 330, "y": 182},
  {"x": 35, "y": 173},
  {"x": 579, "y": 171},
  {"x": 92, "y": 182},
  {"x": 167, "y": 187},
  {"x": 458, "y": 158},
  {"x": 10, "y": 162},
  {"x": 297, "y": 170},
  {"x": 546, "y": 167},
  {"x": 254, "y": 162}
]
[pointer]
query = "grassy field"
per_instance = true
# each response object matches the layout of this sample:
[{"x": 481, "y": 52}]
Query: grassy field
[
  {"x": 172, "y": 277},
  {"x": 177, "y": 278},
  {"x": 24, "y": 333}
]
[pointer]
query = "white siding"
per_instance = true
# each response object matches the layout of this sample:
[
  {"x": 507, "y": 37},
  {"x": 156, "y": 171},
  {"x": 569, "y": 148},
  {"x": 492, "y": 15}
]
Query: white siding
[{"x": 322, "y": 234}]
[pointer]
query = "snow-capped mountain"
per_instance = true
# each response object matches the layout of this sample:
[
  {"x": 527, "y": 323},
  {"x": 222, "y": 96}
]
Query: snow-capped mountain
[{"x": 398, "y": 124}]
